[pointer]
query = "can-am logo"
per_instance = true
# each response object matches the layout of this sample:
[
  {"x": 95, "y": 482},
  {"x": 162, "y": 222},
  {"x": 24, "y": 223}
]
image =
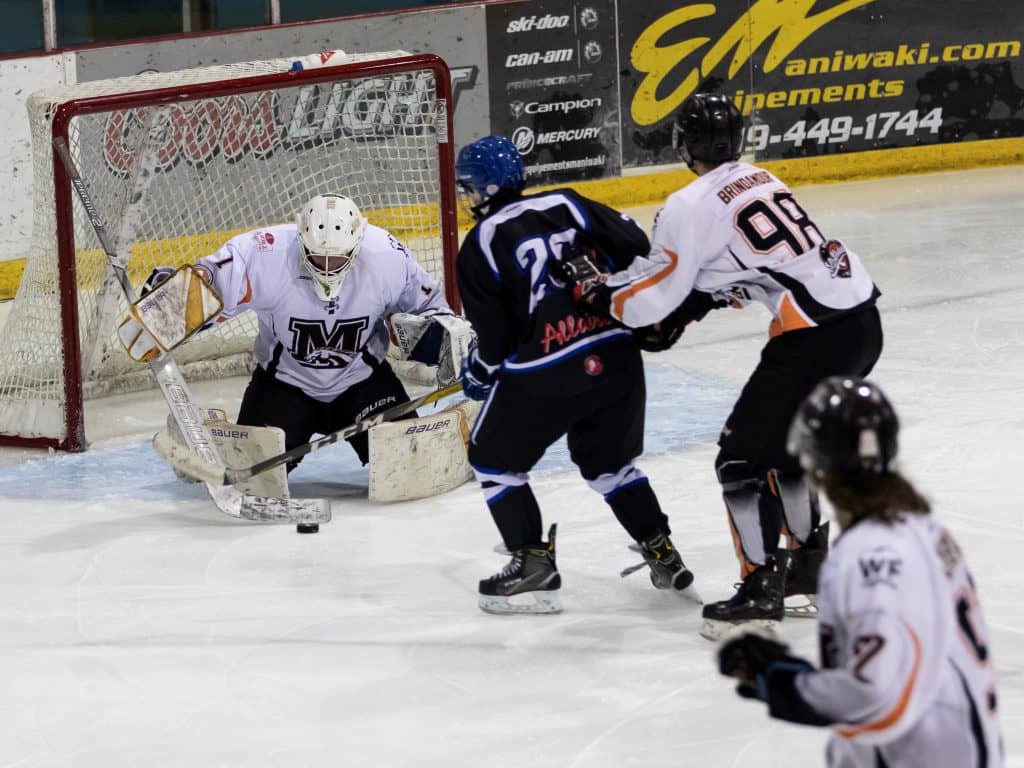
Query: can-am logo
[
  {"x": 543, "y": 108},
  {"x": 530, "y": 23},
  {"x": 526, "y": 140},
  {"x": 533, "y": 58},
  {"x": 259, "y": 123}
]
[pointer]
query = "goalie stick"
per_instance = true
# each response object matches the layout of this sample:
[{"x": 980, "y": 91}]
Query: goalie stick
[
  {"x": 219, "y": 475},
  {"x": 175, "y": 391}
]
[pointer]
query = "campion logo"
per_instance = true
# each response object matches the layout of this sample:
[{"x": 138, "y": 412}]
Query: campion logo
[
  {"x": 533, "y": 58},
  {"x": 543, "y": 108},
  {"x": 531, "y": 23}
]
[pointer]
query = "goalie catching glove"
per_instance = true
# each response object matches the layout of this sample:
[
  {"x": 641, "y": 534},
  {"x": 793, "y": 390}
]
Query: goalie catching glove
[
  {"x": 434, "y": 338},
  {"x": 174, "y": 305}
]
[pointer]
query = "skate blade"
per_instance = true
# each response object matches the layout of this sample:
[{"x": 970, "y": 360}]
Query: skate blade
[
  {"x": 801, "y": 606},
  {"x": 527, "y": 602},
  {"x": 690, "y": 593},
  {"x": 715, "y": 630}
]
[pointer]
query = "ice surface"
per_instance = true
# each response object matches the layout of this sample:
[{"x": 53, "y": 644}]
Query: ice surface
[{"x": 140, "y": 627}]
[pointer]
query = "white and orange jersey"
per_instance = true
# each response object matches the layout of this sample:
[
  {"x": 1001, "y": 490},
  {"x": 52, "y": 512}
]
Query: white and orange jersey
[
  {"x": 739, "y": 234},
  {"x": 906, "y": 662},
  {"x": 321, "y": 347}
]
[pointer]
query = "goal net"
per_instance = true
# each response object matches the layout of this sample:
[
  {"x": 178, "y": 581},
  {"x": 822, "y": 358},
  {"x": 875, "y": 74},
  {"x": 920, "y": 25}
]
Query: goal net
[{"x": 243, "y": 146}]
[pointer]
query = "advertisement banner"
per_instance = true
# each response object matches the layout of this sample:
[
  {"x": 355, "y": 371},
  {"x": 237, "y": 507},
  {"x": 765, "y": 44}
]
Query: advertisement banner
[
  {"x": 816, "y": 78},
  {"x": 553, "y": 86}
]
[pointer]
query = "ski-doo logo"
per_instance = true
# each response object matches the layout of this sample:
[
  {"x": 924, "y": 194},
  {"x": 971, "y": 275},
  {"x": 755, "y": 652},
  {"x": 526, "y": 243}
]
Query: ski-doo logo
[
  {"x": 533, "y": 58},
  {"x": 365, "y": 109},
  {"x": 531, "y": 23}
]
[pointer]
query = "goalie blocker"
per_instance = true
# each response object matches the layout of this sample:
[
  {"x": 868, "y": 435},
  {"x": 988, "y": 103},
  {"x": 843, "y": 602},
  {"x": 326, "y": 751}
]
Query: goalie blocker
[{"x": 175, "y": 305}]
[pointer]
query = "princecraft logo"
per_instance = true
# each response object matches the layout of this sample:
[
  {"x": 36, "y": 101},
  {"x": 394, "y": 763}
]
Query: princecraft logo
[
  {"x": 531, "y": 23},
  {"x": 548, "y": 82}
]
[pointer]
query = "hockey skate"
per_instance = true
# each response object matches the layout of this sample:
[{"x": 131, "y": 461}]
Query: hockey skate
[
  {"x": 802, "y": 575},
  {"x": 758, "y": 602},
  {"x": 528, "y": 584},
  {"x": 668, "y": 571}
]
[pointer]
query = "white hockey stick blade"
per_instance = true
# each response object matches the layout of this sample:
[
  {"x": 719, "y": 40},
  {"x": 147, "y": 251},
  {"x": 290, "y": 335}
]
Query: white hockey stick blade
[{"x": 298, "y": 511}]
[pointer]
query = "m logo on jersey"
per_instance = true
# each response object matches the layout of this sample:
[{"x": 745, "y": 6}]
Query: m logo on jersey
[
  {"x": 881, "y": 566},
  {"x": 834, "y": 256},
  {"x": 314, "y": 347}
]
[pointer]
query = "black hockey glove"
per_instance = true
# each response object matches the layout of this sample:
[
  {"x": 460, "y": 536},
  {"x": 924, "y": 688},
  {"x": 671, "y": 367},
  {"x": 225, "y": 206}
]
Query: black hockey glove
[
  {"x": 583, "y": 272},
  {"x": 767, "y": 671},
  {"x": 477, "y": 377},
  {"x": 156, "y": 278},
  {"x": 662, "y": 335}
]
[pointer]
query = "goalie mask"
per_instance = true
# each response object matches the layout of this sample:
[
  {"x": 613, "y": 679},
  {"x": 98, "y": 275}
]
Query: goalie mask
[{"x": 330, "y": 231}]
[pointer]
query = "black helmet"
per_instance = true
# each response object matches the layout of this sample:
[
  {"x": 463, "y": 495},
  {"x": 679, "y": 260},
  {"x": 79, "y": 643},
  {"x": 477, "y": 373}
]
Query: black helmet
[
  {"x": 708, "y": 128},
  {"x": 846, "y": 423}
]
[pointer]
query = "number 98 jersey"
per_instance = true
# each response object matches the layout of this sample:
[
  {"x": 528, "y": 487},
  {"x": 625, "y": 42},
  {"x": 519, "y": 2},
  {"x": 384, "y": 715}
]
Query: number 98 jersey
[
  {"x": 738, "y": 233},
  {"x": 907, "y": 672}
]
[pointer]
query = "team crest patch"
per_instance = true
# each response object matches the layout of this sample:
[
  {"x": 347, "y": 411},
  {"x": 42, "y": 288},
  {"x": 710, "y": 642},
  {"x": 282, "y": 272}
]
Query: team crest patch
[
  {"x": 592, "y": 365},
  {"x": 264, "y": 241},
  {"x": 834, "y": 255}
]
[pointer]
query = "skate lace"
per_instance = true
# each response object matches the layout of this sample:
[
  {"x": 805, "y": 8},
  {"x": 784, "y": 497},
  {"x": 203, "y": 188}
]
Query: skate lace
[{"x": 513, "y": 565}]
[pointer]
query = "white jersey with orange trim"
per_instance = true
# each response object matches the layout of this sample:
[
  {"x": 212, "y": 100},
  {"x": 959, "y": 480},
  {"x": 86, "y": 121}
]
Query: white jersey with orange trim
[
  {"x": 907, "y": 667},
  {"x": 321, "y": 347},
  {"x": 739, "y": 234}
]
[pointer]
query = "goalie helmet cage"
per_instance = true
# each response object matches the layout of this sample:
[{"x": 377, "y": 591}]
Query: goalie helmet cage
[{"x": 243, "y": 146}]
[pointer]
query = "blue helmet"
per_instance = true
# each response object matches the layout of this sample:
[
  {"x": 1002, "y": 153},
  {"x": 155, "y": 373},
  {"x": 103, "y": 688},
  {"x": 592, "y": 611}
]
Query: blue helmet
[{"x": 490, "y": 165}]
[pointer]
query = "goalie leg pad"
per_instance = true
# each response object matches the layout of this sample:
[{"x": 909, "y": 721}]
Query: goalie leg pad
[
  {"x": 239, "y": 446},
  {"x": 416, "y": 458}
]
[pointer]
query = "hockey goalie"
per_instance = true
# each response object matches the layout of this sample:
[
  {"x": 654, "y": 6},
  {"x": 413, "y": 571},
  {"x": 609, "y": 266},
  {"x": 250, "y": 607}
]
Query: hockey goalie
[{"x": 330, "y": 292}]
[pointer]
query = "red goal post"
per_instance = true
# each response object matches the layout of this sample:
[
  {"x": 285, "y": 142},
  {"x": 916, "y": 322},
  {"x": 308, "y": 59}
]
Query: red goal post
[{"x": 245, "y": 146}]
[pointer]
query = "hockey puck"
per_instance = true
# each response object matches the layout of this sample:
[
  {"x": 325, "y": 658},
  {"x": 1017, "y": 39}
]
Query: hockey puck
[{"x": 308, "y": 528}]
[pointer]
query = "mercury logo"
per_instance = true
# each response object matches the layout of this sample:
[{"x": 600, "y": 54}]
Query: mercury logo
[{"x": 523, "y": 138}]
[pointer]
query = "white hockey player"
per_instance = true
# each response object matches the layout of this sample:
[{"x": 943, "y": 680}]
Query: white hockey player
[
  {"x": 906, "y": 675},
  {"x": 737, "y": 235},
  {"x": 325, "y": 290}
]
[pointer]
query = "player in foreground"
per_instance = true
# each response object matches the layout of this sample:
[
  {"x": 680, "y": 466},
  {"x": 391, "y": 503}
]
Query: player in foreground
[
  {"x": 323, "y": 289},
  {"x": 547, "y": 369},
  {"x": 733, "y": 236},
  {"x": 906, "y": 674}
]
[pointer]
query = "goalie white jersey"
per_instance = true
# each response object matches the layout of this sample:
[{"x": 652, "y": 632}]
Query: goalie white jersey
[
  {"x": 321, "y": 347},
  {"x": 739, "y": 234},
  {"x": 907, "y": 666}
]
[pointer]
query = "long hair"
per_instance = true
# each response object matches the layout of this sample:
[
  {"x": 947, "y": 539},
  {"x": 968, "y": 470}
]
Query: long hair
[{"x": 882, "y": 496}]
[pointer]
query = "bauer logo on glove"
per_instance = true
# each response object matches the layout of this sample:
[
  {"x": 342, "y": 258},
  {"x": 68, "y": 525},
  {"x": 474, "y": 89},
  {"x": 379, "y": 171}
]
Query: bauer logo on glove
[{"x": 174, "y": 306}]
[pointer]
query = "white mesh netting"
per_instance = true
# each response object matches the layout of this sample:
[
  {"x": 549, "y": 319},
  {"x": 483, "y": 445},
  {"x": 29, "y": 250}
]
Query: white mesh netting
[{"x": 228, "y": 164}]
